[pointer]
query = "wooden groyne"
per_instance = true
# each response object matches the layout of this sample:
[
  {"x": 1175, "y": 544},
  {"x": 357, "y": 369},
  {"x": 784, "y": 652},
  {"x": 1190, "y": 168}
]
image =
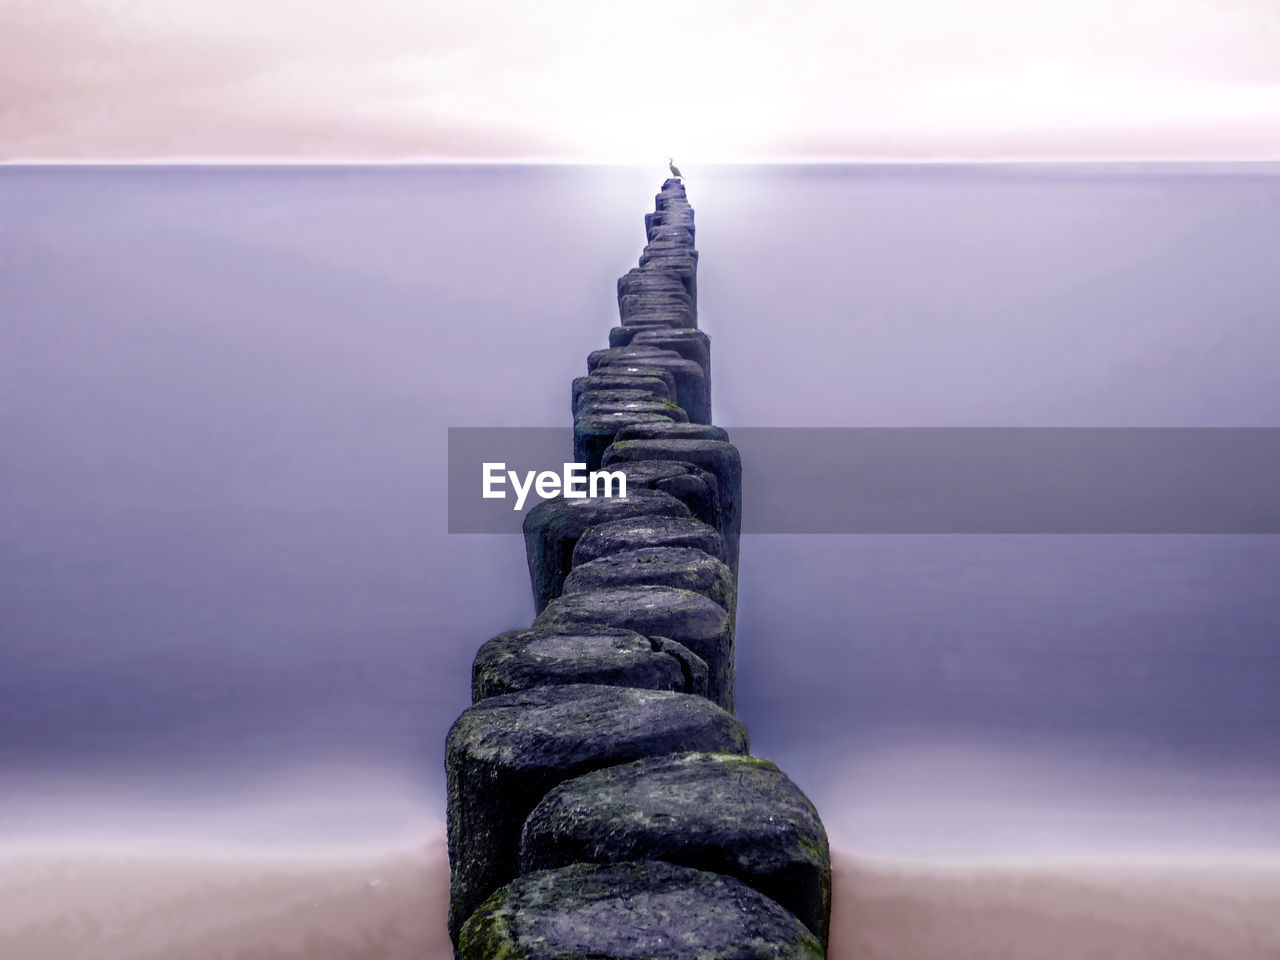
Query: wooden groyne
[{"x": 603, "y": 801}]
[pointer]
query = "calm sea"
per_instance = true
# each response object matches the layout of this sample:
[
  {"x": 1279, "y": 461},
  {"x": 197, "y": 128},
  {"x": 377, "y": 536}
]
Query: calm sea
[{"x": 229, "y": 607}]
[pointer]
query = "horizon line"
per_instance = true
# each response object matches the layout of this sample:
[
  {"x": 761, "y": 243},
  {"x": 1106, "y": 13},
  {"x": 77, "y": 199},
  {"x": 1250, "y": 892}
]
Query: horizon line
[{"x": 1011, "y": 160}]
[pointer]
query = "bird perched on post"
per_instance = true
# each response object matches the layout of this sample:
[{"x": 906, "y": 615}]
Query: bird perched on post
[{"x": 675, "y": 171}]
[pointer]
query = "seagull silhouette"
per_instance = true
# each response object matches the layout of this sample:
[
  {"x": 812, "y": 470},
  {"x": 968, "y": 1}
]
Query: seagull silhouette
[{"x": 675, "y": 171}]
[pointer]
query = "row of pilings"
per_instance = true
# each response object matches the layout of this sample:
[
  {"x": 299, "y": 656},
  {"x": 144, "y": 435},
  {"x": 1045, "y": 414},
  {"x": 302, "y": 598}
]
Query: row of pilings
[{"x": 603, "y": 801}]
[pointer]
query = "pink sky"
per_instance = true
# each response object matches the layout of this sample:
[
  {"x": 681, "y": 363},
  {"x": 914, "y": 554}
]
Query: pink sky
[{"x": 605, "y": 81}]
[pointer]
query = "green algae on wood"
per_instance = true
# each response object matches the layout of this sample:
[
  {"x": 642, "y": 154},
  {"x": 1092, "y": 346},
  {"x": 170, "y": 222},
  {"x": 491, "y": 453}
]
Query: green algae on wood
[
  {"x": 633, "y": 911},
  {"x": 503, "y": 754},
  {"x": 729, "y": 814}
]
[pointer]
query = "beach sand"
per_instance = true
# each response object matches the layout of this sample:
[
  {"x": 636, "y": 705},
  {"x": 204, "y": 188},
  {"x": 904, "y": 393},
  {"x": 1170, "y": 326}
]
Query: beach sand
[{"x": 388, "y": 904}]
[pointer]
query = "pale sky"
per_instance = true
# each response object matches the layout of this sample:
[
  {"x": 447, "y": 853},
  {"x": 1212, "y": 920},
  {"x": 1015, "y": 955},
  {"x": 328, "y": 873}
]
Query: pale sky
[{"x": 627, "y": 82}]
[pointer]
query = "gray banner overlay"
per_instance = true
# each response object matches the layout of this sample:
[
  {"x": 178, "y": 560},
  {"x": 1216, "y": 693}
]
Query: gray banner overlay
[{"x": 941, "y": 480}]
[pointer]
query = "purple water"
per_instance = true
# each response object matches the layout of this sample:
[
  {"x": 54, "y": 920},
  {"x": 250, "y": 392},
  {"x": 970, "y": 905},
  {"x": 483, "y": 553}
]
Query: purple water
[{"x": 223, "y": 569}]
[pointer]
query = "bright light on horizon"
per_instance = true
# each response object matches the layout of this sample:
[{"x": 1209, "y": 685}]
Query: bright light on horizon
[{"x": 570, "y": 80}]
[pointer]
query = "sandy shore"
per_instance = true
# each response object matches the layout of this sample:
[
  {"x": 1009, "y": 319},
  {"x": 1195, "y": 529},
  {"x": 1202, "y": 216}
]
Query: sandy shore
[{"x": 390, "y": 904}]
